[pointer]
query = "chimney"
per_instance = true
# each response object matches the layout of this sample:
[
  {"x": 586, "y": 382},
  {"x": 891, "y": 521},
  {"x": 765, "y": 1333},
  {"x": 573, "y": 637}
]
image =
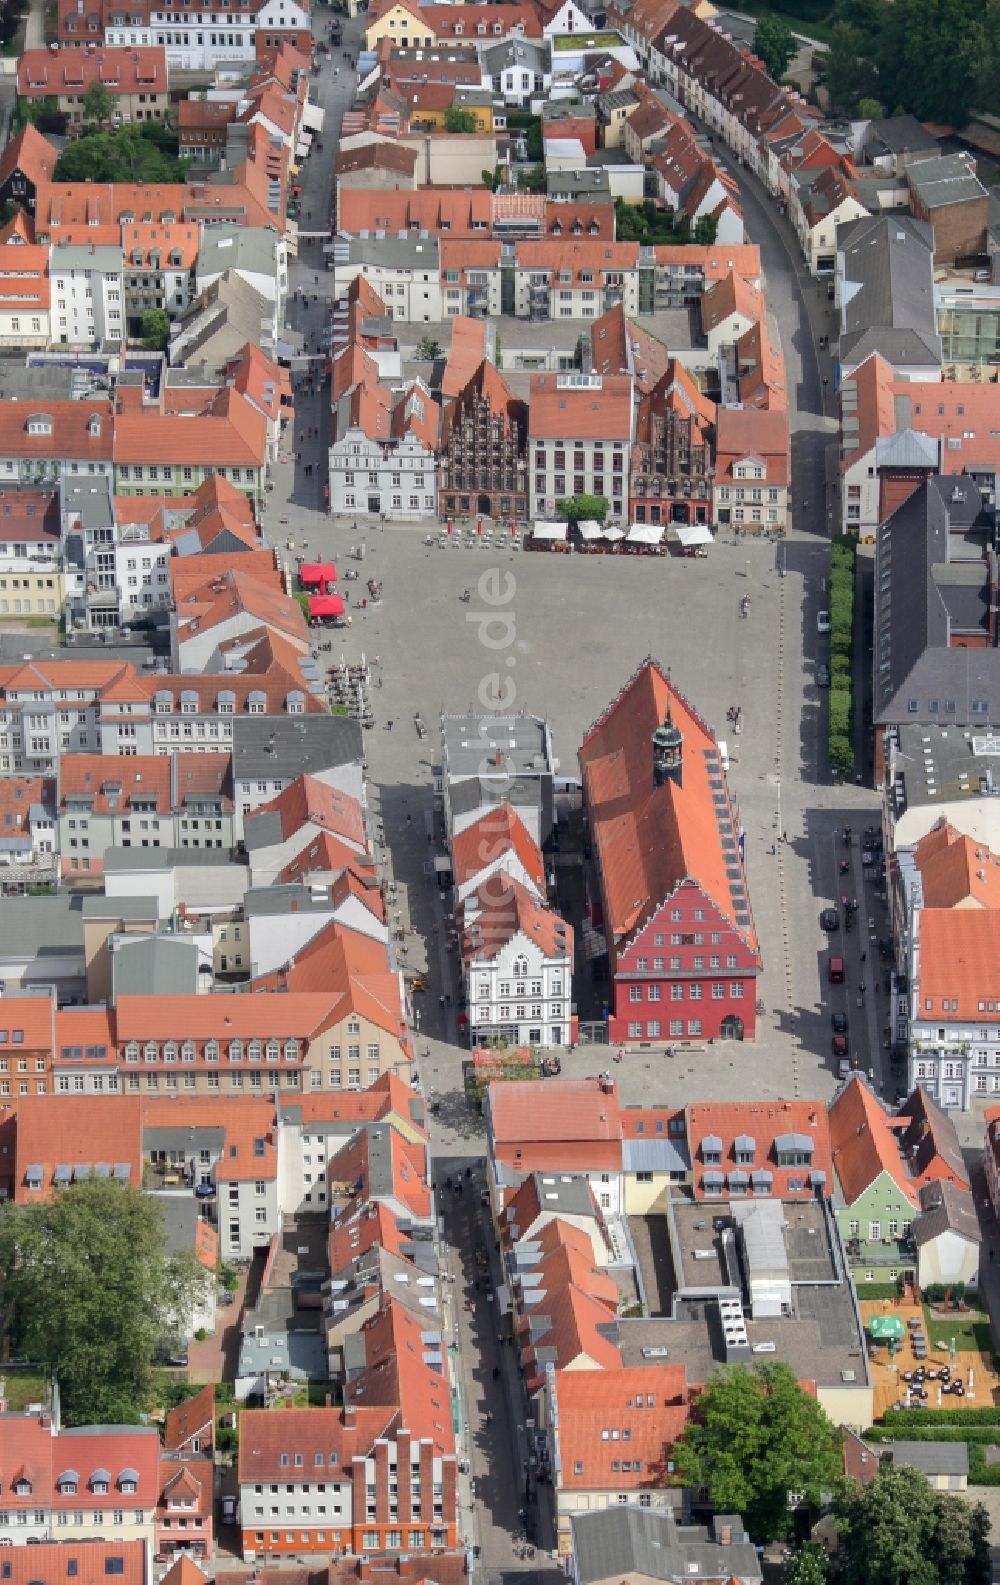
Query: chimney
[{"x": 349, "y": 1417}]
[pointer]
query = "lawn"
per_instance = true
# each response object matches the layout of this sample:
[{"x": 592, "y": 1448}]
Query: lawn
[
  {"x": 971, "y": 1332},
  {"x": 311, "y": 1395},
  {"x": 577, "y": 41},
  {"x": 23, "y": 1387}
]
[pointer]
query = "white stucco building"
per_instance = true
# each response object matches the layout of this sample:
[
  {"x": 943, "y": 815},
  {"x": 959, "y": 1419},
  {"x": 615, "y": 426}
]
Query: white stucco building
[
  {"x": 87, "y": 290},
  {"x": 518, "y": 964},
  {"x": 383, "y": 459}
]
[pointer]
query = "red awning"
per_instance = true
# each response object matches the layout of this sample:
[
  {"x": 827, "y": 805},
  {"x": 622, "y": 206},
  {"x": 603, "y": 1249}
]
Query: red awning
[
  {"x": 321, "y": 605},
  {"x": 317, "y": 572}
]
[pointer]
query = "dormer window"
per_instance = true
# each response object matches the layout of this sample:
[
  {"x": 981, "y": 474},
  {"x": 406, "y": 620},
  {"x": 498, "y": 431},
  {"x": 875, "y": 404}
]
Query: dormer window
[
  {"x": 22, "y": 1487},
  {"x": 39, "y": 424},
  {"x": 100, "y": 1483},
  {"x": 128, "y": 1482},
  {"x": 68, "y": 1483},
  {"x": 711, "y": 1150}
]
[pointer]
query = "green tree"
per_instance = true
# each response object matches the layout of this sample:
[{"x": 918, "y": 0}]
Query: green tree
[
  {"x": 898, "y": 1531},
  {"x": 925, "y": 54},
  {"x": 88, "y": 1290},
  {"x": 155, "y": 329},
  {"x": 980, "y": 1571},
  {"x": 145, "y": 153},
  {"x": 706, "y": 229},
  {"x": 98, "y": 103},
  {"x": 429, "y": 348},
  {"x": 581, "y": 508},
  {"x": 458, "y": 119},
  {"x": 808, "y": 1567},
  {"x": 871, "y": 109},
  {"x": 774, "y": 43},
  {"x": 850, "y": 74},
  {"x": 756, "y": 1437}
]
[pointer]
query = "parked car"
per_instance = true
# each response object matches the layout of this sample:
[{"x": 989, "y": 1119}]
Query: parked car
[
  {"x": 822, "y": 675},
  {"x": 823, "y": 622},
  {"x": 839, "y": 1022},
  {"x": 829, "y": 919},
  {"x": 844, "y": 1068},
  {"x": 230, "y": 1508},
  {"x": 840, "y": 1045}
]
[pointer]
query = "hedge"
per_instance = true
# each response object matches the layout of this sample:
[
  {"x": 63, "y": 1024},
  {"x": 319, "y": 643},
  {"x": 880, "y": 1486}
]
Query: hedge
[
  {"x": 841, "y": 605},
  {"x": 970, "y": 1416},
  {"x": 980, "y": 1434}
]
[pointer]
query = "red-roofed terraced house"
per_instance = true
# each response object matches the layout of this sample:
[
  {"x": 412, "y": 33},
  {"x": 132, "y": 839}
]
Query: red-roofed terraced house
[
  {"x": 668, "y": 902},
  {"x": 354, "y": 1479}
]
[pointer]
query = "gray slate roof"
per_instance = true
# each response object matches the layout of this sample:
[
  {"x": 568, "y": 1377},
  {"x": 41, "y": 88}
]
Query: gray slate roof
[
  {"x": 901, "y": 135},
  {"x": 33, "y": 925},
  {"x": 917, "y": 675},
  {"x": 931, "y": 1458},
  {"x": 276, "y": 747},
  {"x": 946, "y": 1208},
  {"x": 888, "y": 269},
  {"x": 649, "y": 1542},
  {"x": 227, "y": 247},
  {"x": 155, "y": 966},
  {"x": 945, "y": 180}
]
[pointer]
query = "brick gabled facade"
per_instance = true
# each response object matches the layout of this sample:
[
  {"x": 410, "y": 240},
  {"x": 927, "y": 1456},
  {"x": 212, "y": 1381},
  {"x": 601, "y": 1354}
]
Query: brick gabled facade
[{"x": 483, "y": 463}]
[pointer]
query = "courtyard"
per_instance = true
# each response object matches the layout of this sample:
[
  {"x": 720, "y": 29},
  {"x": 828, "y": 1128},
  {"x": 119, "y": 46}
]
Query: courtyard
[{"x": 971, "y": 1363}]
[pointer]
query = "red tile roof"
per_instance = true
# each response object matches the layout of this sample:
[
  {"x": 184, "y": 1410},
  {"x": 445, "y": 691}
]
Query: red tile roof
[
  {"x": 959, "y": 954},
  {"x": 593, "y": 1404},
  {"x": 730, "y": 295},
  {"x": 319, "y": 1437},
  {"x": 193, "y": 1418},
  {"x": 955, "y": 871},
  {"x": 57, "y": 1561},
  {"x": 650, "y": 840},
  {"x": 579, "y": 1113},
  {"x": 764, "y": 1122},
  {"x": 18, "y": 794},
  {"x": 29, "y": 1448},
  {"x": 74, "y": 1131},
  {"x": 501, "y": 911},
  {"x": 348, "y": 1173},
  {"x": 232, "y": 434},
  {"x": 351, "y": 971},
  {"x": 351, "y": 1239},
  {"x": 81, "y": 430},
  {"x": 30, "y": 153},
  {"x": 248, "y": 1121},
  {"x": 376, "y": 156},
  {"x": 397, "y": 1376},
  {"x": 580, "y": 1336},
  {"x": 499, "y": 835},
  {"x": 558, "y": 409},
  {"x": 190, "y": 1481},
  {"x": 752, "y": 432},
  {"x": 466, "y": 354},
  {"x": 307, "y": 801},
  {"x": 121, "y": 70}
]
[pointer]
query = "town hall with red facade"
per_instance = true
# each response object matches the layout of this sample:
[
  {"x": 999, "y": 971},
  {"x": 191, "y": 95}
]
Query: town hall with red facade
[{"x": 668, "y": 891}]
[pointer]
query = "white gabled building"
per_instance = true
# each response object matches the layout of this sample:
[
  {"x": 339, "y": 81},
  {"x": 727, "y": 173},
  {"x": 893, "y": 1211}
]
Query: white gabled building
[
  {"x": 383, "y": 459},
  {"x": 517, "y": 958}
]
